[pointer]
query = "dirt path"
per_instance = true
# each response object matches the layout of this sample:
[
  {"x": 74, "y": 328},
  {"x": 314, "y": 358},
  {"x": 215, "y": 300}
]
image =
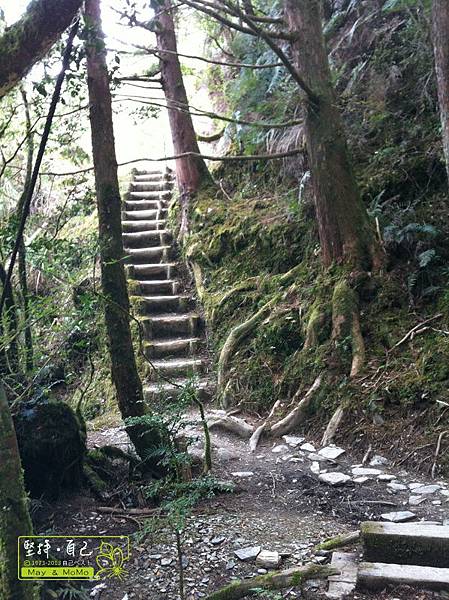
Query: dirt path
[{"x": 279, "y": 503}]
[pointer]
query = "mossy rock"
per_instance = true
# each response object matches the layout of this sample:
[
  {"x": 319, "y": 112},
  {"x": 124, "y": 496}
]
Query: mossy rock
[{"x": 52, "y": 447}]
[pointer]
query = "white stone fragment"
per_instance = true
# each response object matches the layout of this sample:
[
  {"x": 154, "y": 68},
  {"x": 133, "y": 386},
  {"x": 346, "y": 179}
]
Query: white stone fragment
[
  {"x": 334, "y": 478},
  {"x": 365, "y": 472},
  {"x": 268, "y": 559},
  {"x": 293, "y": 440},
  {"x": 308, "y": 447},
  {"x": 378, "y": 460},
  {"x": 361, "y": 480},
  {"x": 242, "y": 474},
  {"x": 416, "y": 500},
  {"x": 248, "y": 553},
  {"x": 280, "y": 448},
  {"x": 397, "y": 487},
  {"x": 331, "y": 452},
  {"x": 427, "y": 489},
  {"x": 398, "y": 517},
  {"x": 315, "y": 467},
  {"x": 385, "y": 477}
]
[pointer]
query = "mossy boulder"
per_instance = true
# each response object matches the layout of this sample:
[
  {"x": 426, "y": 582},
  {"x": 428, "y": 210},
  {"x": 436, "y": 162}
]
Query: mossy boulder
[{"x": 52, "y": 447}]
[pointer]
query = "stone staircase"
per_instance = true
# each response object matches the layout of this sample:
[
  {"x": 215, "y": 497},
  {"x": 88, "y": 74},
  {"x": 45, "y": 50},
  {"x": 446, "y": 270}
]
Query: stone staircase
[{"x": 173, "y": 329}]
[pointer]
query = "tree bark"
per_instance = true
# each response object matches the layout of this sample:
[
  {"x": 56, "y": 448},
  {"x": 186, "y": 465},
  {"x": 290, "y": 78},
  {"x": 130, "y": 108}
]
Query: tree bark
[
  {"x": 9, "y": 359},
  {"x": 14, "y": 516},
  {"x": 116, "y": 302},
  {"x": 23, "y": 44},
  {"x": 191, "y": 171},
  {"x": 346, "y": 235},
  {"x": 440, "y": 36}
]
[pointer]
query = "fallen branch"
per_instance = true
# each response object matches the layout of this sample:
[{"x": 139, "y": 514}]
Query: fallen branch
[
  {"x": 437, "y": 452},
  {"x": 233, "y": 424},
  {"x": 142, "y": 512},
  {"x": 297, "y": 415},
  {"x": 294, "y": 577},
  {"x": 339, "y": 541},
  {"x": 414, "y": 331}
]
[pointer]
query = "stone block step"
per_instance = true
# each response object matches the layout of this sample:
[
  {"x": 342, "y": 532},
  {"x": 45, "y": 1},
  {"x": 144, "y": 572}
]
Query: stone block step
[
  {"x": 144, "y": 215},
  {"x": 378, "y": 575},
  {"x": 163, "y": 185},
  {"x": 152, "y": 271},
  {"x": 177, "y": 367},
  {"x": 145, "y": 239},
  {"x": 135, "y": 226},
  {"x": 177, "y": 347},
  {"x": 406, "y": 543},
  {"x": 167, "y": 391},
  {"x": 344, "y": 583},
  {"x": 161, "y": 287},
  {"x": 171, "y": 326},
  {"x": 155, "y": 195},
  {"x": 144, "y": 172},
  {"x": 152, "y": 254},
  {"x": 131, "y": 205},
  {"x": 150, "y": 305}
]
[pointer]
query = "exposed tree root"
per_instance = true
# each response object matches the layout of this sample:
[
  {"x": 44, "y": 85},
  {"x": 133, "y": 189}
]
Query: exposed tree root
[
  {"x": 233, "y": 424},
  {"x": 298, "y": 413},
  {"x": 277, "y": 580},
  {"x": 315, "y": 326},
  {"x": 236, "y": 335},
  {"x": 254, "y": 439},
  {"x": 332, "y": 426},
  {"x": 338, "y": 541}
]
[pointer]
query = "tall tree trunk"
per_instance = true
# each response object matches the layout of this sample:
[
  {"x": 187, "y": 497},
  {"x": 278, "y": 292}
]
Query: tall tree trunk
[
  {"x": 14, "y": 516},
  {"x": 9, "y": 360},
  {"x": 191, "y": 171},
  {"x": 116, "y": 302},
  {"x": 23, "y": 279},
  {"x": 346, "y": 235},
  {"x": 23, "y": 44},
  {"x": 440, "y": 39}
]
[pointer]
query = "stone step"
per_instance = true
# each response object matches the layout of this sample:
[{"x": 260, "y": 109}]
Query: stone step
[
  {"x": 171, "y": 326},
  {"x": 132, "y": 205},
  {"x": 152, "y": 271},
  {"x": 144, "y": 215},
  {"x": 161, "y": 287},
  {"x": 168, "y": 391},
  {"x": 155, "y": 195},
  {"x": 144, "y": 172},
  {"x": 151, "y": 305},
  {"x": 135, "y": 226},
  {"x": 142, "y": 239},
  {"x": 344, "y": 583},
  {"x": 378, "y": 575},
  {"x": 177, "y": 347},
  {"x": 163, "y": 185},
  {"x": 406, "y": 543},
  {"x": 177, "y": 367},
  {"x": 152, "y": 254}
]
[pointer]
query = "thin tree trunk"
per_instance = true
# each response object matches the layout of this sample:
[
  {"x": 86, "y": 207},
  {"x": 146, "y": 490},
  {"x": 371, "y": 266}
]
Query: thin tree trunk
[
  {"x": 10, "y": 358},
  {"x": 23, "y": 279},
  {"x": 14, "y": 516},
  {"x": 23, "y": 44},
  {"x": 123, "y": 364},
  {"x": 191, "y": 171},
  {"x": 346, "y": 235},
  {"x": 440, "y": 38}
]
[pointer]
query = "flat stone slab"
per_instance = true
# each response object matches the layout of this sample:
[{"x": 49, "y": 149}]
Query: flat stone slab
[
  {"x": 293, "y": 440},
  {"x": 406, "y": 543},
  {"x": 334, "y": 478},
  {"x": 308, "y": 447},
  {"x": 280, "y": 448},
  {"x": 365, "y": 472},
  {"x": 242, "y": 474},
  {"x": 249, "y": 553},
  {"x": 378, "y": 575},
  {"x": 268, "y": 559},
  {"x": 331, "y": 452},
  {"x": 426, "y": 489},
  {"x": 344, "y": 583},
  {"x": 398, "y": 517}
]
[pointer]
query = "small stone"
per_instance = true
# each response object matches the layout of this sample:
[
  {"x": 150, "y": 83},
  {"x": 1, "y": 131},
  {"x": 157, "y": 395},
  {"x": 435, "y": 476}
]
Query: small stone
[
  {"x": 331, "y": 452},
  {"x": 365, "y": 472},
  {"x": 444, "y": 492},
  {"x": 427, "y": 489},
  {"x": 397, "y": 487},
  {"x": 248, "y": 553},
  {"x": 280, "y": 448},
  {"x": 315, "y": 468},
  {"x": 165, "y": 562},
  {"x": 416, "y": 500},
  {"x": 436, "y": 502},
  {"x": 399, "y": 516},
  {"x": 296, "y": 459},
  {"x": 262, "y": 571},
  {"x": 242, "y": 474},
  {"x": 413, "y": 486},
  {"x": 378, "y": 460},
  {"x": 293, "y": 440},
  {"x": 217, "y": 540},
  {"x": 268, "y": 559},
  {"x": 308, "y": 447},
  {"x": 334, "y": 478},
  {"x": 385, "y": 477},
  {"x": 446, "y": 522},
  {"x": 230, "y": 565},
  {"x": 361, "y": 480}
]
